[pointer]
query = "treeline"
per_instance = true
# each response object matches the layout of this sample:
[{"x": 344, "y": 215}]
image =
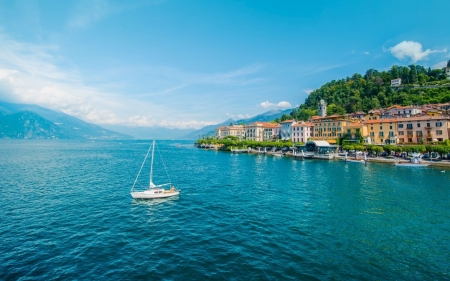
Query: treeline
[
  {"x": 232, "y": 142},
  {"x": 373, "y": 90},
  {"x": 441, "y": 149}
]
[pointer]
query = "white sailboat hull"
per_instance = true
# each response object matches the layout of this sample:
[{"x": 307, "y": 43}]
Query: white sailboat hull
[{"x": 154, "y": 193}]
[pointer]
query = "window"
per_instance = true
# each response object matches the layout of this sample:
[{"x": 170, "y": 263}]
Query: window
[
  {"x": 381, "y": 127},
  {"x": 400, "y": 126},
  {"x": 438, "y": 124},
  {"x": 391, "y": 134},
  {"x": 381, "y": 140},
  {"x": 428, "y": 125},
  {"x": 419, "y": 133},
  {"x": 418, "y": 125},
  {"x": 409, "y": 140},
  {"x": 390, "y": 127},
  {"x": 439, "y": 132},
  {"x": 401, "y": 140},
  {"x": 381, "y": 134},
  {"x": 400, "y": 133},
  {"x": 409, "y": 126},
  {"x": 371, "y": 127},
  {"x": 372, "y": 134}
]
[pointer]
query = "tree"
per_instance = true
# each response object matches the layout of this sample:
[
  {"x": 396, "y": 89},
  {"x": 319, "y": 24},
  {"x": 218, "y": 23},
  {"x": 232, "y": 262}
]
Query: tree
[{"x": 335, "y": 109}]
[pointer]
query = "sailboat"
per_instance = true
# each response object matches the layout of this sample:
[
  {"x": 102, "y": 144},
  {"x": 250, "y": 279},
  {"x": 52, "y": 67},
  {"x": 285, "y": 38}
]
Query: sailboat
[{"x": 153, "y": 191}]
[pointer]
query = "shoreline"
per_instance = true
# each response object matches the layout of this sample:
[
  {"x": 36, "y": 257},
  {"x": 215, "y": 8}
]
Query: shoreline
[{"x": 381, "y": 159}]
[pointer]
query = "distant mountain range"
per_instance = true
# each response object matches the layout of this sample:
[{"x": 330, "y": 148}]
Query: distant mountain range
[{"x": 24, "y": 121}]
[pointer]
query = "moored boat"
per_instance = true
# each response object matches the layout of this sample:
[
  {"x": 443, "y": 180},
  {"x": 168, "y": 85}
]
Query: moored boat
[{"x": 415, "y": 161}]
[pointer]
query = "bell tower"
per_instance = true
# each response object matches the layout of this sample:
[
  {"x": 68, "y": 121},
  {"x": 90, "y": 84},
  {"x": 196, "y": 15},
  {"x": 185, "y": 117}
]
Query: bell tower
[{"x": 322, "y": 108}]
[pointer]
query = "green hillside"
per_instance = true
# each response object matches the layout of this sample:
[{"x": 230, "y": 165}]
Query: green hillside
[{"x": 373, "y": 90}]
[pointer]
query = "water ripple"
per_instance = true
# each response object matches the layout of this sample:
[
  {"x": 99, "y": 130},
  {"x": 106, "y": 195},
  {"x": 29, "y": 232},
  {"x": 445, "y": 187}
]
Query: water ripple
[{"x": 67, "y": 214}]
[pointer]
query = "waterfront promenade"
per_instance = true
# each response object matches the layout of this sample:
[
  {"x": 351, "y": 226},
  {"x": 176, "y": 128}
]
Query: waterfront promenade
[{"x": 333, "y": 157}]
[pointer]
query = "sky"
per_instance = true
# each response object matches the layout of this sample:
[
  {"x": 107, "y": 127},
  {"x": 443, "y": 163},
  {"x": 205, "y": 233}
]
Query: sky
[{"x": 187, "y": 64}]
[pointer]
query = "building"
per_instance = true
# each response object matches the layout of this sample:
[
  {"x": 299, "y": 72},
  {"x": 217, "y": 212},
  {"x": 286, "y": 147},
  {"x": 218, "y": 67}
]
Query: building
[
  {"x": 423, "y": 129},
  {"x": 354, "y": 131},
  {"x": 233, "y": 130},
  {"x": 447, "y": 69},
  {"x": 359, "y": 115},
  {"x": 382, "y": 131},
  {"x": 396, "y": 82},
  {"x": 286, "y": 129},
  {"x": 329, "y": 128},
  {"x": 302, "y": 131},
  {"x": 262, "y": 131},
  {"x": 404, "y": 111},
  {"x": 322, "y": 108},
  {"x": 374, "y": 114}
]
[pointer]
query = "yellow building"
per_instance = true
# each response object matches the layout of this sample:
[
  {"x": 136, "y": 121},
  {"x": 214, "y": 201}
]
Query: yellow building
[
  {"x": 383, "y": 131},
  {"x": 328, "y": 128},
  {"x": 354, "y": 131}
]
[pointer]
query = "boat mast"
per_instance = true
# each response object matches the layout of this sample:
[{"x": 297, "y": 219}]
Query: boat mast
[{"x": 151, "y": 166}]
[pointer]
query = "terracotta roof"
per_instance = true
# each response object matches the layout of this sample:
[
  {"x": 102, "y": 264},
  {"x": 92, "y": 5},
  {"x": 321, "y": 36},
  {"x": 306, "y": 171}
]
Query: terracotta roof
[
  {"x": 384, "y": 120},
  {"x": 304, "y": 124},
  {"x": 423, "y": 118},
  {"x": 288, "y": 121}
]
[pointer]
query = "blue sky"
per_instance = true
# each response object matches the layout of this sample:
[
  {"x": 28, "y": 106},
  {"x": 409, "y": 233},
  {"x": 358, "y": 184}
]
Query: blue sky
[{"x": 187, "y": 64}]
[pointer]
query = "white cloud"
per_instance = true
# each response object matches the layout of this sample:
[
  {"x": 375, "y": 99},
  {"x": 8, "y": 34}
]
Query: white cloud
[
  {"x": 442, "y": 64},
  {"x": 366, "y": 53},
  {"x": 308, "y": 91},
  {"x": 238, "y": 116},
  {"x": 31, "y": 74},
  {"x": 412, "y": 50},
  {"x": 281, "y": 104}
]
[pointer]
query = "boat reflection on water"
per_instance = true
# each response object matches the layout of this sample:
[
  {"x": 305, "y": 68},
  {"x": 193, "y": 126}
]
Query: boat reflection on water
[{"x": 155, "y": 201}]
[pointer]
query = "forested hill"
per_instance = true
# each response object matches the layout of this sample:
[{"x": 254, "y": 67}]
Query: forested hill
[{"x": 373, "y": 90}]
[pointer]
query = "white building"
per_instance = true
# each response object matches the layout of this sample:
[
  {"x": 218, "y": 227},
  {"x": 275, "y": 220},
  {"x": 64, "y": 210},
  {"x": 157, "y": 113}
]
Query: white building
[
  {"x": 233, "y": 130},
  {"x": 302, "y": 131},
  {"x": 396, "y": 82},
  {"x": 286, "y": 129}
]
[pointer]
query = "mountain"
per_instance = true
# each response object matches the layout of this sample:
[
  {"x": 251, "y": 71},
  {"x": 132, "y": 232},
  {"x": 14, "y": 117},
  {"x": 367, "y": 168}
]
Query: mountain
[
  {"x": 264, "y": 117},
  {"x": 32, "y": 121},
  {"x": 149, "y": 132},
  {"x": 28, "y": 125}
]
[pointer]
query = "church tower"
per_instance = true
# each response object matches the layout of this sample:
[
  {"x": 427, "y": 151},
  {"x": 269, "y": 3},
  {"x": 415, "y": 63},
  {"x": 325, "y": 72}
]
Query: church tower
[{"x": 322, "y": 108}]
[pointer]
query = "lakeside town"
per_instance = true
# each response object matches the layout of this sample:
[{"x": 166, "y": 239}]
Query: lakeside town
[{"x": 395, "y": 131}]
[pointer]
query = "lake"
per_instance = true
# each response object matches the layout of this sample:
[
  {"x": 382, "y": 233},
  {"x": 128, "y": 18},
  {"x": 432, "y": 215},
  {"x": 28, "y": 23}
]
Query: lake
[{"x": 66, "y": 213}]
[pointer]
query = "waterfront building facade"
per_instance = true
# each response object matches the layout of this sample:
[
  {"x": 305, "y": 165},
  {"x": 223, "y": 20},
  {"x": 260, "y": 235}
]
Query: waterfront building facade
[
  {"x": 302, "y": 131},
  {"x": 232, "y": 130},
  {"x": 328, "y": 128},
  {"x": 262, "y": 131},
  {"x": 286, "y": 129},
  {"x": 353, "y": 132},
  {"x": 383, "y": 131},
  {"x": 423, "y": 129}
]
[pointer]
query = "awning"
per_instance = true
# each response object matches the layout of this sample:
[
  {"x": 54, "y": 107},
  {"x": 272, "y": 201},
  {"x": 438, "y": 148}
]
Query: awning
[{"x": 331, "y": 141}]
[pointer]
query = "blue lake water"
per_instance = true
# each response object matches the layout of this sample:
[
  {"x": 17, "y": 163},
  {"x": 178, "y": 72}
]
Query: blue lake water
[{"x": 66, "y": 213}]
